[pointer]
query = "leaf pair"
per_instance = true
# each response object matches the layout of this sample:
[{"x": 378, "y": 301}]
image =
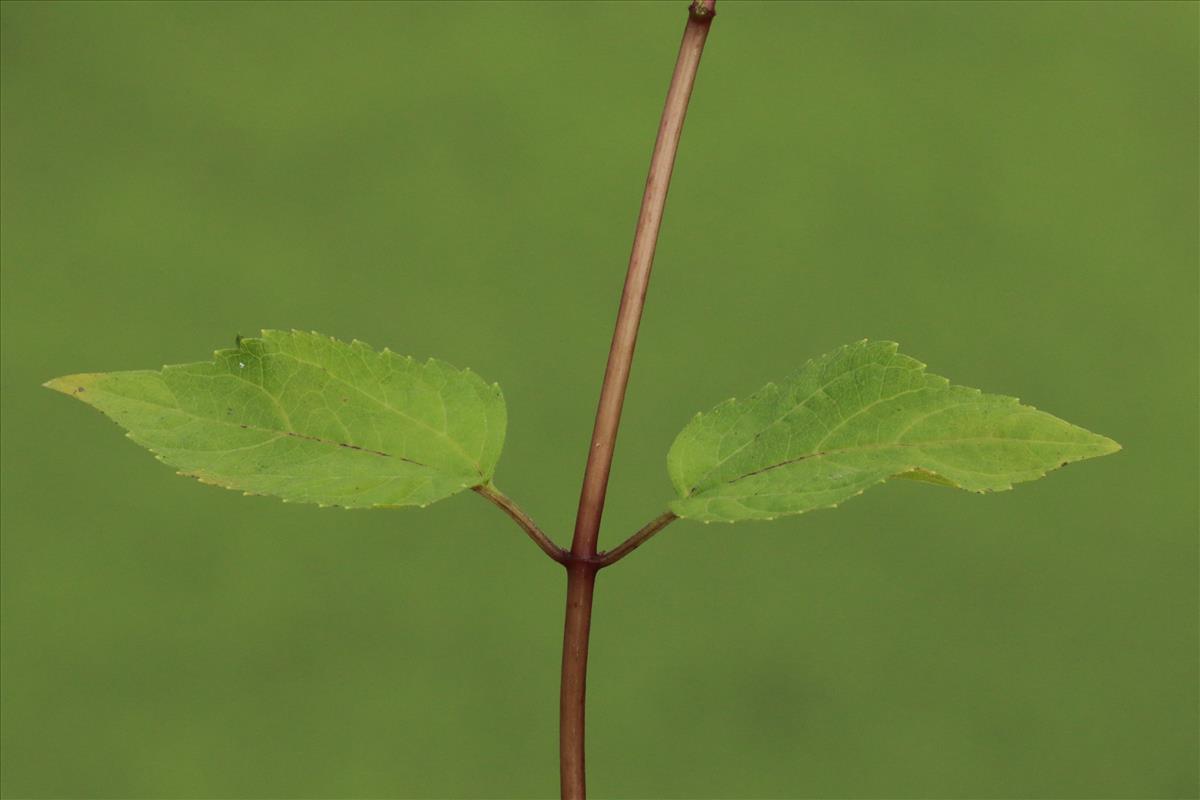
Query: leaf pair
[{"x": 310, "y": 419}]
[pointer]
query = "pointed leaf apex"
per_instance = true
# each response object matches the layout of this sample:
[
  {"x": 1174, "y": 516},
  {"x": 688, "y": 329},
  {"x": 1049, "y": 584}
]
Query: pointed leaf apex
[{"x": 73, "y": 384}]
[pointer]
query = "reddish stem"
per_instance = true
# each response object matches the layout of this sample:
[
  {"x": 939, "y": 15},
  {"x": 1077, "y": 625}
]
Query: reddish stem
[{"x": 583, "y": 563}]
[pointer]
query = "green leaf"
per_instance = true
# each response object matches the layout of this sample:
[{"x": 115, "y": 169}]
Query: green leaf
[
  {"x": 855, "y": 418},
  {"x": 312, "y": 420}
]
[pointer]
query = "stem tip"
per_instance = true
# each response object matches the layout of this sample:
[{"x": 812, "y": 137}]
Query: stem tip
[{"x": 702, "y": 10}]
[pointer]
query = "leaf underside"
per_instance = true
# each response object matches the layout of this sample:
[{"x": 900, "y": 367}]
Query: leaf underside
[
  {"x": 855, "y": 418},
  {"x": 311, "y": 419}
]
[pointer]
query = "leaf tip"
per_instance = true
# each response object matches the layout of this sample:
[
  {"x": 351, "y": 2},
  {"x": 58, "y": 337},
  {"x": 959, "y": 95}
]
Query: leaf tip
[{"x": 73, "y": 385}]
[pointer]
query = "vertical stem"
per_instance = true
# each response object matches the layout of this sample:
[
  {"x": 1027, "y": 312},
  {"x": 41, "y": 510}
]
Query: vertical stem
[
  {"x": 581, "y": 581},
  {"x": 582, "y": 562}
]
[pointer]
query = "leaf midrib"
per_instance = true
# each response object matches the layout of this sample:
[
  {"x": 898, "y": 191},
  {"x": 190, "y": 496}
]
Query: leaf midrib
[
  {"x": 804, "y": 403},
  {"x": 259, "y": 429},
  {"x": 870, "y": 447},
  {"x": 474, "y": 462}
]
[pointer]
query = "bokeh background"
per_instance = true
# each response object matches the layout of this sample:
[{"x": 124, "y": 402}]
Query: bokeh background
[{"x": 1009, "y": 190}]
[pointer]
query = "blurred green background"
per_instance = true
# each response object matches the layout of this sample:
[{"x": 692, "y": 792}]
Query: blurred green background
[{"x": 1009, "y": 190}]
